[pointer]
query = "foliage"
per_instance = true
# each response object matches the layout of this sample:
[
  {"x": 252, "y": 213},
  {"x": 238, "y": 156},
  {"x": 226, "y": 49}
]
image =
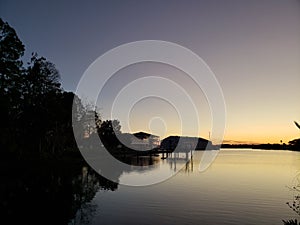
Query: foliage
[
  {"x": 11, "y": 51},
  {"x": 36, "y": 119},
  {"x": 290, "y": 222},
  {"x": 295, "y": 203},
  {"x": 37, "y": 115},
  {"x": 295, "y": 142},
  {"x": 41, "y": 78},
  {"x": 108, "y": 132}
]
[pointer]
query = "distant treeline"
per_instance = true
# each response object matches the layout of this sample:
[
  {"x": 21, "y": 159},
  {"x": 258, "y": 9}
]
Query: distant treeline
[{"x": 290, "y": 146}]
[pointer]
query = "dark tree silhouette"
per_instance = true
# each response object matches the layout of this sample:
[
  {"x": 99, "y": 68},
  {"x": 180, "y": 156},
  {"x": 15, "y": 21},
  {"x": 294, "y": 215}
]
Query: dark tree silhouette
[
  {"x": 11, "y": 51},
  {"x": 108, "y": 132},
  {"x": 36, "y": 118},
  {"x": 295, "y": 144},
  {"x": 41, "y": 78}
]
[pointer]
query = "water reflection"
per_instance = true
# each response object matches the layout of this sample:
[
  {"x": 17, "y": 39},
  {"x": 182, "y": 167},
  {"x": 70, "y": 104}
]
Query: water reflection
[
  {"x": 294, "y": 204},
  {"x": 50, "y": 194},
  {"x": 240, "y": 187},
  {"x": 246, "y": 185},
  {"x": 62, "y": 194},
  {"x": 183, "y": 160}
]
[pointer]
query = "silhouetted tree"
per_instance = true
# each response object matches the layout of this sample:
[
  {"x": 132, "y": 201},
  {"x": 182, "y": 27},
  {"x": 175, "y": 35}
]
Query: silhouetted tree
[
  {"x": 108, "y": 132},
  {"x": 11, "y": 51},
  {"x": 41, "y": 79},
  {"x": 295, "y": 144},
  {"x": 39, "y": 115},
  {"x": 36, "y": 114}
]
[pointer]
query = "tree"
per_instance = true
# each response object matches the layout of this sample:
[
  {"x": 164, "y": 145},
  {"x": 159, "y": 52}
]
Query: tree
[
  {"x": 108, "y": 132},
  {"x": 295, "y": 144},
  {"x": 36, "y": 114},
  {"x": 11, "y": 71},
  {"x": 39, "y": 117},
  {"x": 42, "y": 78},
  {"x": 11, "y": 51}
]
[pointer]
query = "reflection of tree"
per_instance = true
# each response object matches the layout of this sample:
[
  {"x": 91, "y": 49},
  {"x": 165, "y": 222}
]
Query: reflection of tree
[
  {"x": 86, "y": 185},
  {"x": 84, "y": 214},
  {"x": 295, "y": 203},
  {"x": 51, "y": 194}
]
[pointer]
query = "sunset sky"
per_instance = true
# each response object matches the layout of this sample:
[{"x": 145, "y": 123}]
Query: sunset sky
[{"x": 252, "y": 47}]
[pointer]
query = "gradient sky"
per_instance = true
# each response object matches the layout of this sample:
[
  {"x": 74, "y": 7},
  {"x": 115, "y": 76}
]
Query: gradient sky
[{"x": 253, "y": 48}]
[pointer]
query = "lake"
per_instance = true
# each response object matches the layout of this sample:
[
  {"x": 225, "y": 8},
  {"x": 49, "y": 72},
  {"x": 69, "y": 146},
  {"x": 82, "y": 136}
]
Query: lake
[{"x": 240, "y": 187}]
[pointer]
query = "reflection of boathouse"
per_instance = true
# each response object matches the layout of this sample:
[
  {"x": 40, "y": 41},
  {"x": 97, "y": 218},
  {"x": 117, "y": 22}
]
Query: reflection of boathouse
[{"x": 184, "y": 143}]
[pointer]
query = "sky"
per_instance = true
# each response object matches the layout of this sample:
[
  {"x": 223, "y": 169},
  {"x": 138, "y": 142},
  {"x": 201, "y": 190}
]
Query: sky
[{"x": 252, "y": 47}]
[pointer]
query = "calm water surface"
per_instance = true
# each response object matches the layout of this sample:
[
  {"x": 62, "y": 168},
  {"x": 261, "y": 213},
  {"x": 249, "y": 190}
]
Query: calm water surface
[{"x": 240, "y": 187}]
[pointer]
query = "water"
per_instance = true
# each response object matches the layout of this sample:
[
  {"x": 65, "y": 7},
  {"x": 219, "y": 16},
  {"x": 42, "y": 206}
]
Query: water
[{"x": 240, "y": 187}]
